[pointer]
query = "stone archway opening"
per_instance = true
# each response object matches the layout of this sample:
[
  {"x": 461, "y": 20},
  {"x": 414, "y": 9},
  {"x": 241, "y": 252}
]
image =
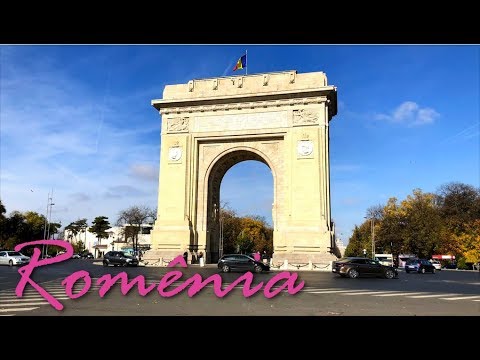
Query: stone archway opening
[{"x": 215, "y": 233}]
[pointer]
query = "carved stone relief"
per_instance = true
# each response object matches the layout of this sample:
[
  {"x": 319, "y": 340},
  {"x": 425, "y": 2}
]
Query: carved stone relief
[
  {"x": 304, "y": 117},
  {"x": 178, "y": 124}
]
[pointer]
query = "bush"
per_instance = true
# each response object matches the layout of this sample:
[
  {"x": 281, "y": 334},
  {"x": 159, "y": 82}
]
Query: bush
[{"x": 462, "y": 265}]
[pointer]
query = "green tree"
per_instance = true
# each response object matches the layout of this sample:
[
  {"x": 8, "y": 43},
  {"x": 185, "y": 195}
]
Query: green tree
[
  {"x": 245, "y": 243},
  {"x": 75, "y": 228},
  {"x": 14, "y": 230},
  {"x": 459, "y": 205},
  {"x": 231, "y": 229},
  {"x": 359, "y": 241},
  {"x": 390, "y": 230},
  {"x": 423, "y": 224},
  {"x": 132, "y": 220},
  {"x": 99, "y": 227}
]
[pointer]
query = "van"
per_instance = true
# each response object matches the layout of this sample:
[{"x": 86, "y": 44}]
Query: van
[{"x": 385, "y": 259}]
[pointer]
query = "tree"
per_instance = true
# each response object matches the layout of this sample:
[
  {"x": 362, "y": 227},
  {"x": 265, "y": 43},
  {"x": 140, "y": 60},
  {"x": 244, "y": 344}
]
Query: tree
[
  {"x": 75, "y": 228},
  {"x": 359, "y": 240},
  {"x": 244, "y": 243},
  {"x": 13, "y": 230},
  {"x": 231, "y": 229},
  {"x": 459, "y": 204},
  {"x": 99, "y": 227},
  {"x": 3, "y": 211},
  {"x": 132, "y": 220},
  {"x": 391, "y": 227},
  {"x": 423, "y": 224}
]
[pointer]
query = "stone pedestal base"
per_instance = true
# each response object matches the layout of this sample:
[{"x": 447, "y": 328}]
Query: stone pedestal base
[
  {"x": 303, "y": 261},
  {"x": 163, "y": 257}
]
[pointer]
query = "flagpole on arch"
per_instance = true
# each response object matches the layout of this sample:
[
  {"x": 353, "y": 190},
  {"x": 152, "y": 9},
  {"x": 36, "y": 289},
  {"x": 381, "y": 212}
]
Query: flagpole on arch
[{"x": 246, "y": 63}]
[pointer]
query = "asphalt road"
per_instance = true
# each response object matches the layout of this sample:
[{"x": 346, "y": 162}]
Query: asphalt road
[{"x": 445, "y": 293}]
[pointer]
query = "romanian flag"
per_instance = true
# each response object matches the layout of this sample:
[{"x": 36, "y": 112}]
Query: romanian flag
[{"x": 241, "y": 63}]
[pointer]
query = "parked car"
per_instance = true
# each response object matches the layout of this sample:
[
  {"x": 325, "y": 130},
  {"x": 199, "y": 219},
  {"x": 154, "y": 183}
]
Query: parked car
[
  {"x": 355, "y": 267},
  {"x": 240, "y": 262},
  {"x": 437, "y": 264},
  {"x": 76, "y": 256},
  {"x": 13, "y": 258},
  {"x": 419, "y": 265},
  {"x": 87, "y": 256},
  {"x": 119, "y": 258},
  {"x": 451, "y": 265}
]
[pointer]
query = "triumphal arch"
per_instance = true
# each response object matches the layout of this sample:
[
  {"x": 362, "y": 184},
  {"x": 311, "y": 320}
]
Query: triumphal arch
[{"x": 208, "y": 125}]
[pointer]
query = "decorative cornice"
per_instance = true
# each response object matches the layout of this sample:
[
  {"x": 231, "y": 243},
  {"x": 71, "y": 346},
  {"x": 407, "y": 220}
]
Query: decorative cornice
[{"x": 244, "y": 105}]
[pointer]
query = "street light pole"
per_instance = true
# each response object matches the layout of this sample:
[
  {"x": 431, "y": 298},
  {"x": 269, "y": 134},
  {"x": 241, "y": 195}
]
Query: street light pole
[
  {"x": 220, "y": 248},
  {"x": 48, "y": 216},
  {"x": 372, "y": 229}
]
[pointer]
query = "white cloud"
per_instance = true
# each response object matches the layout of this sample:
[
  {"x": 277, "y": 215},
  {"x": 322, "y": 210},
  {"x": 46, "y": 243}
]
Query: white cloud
[
  {"x": 144, "y": 172},
  {"x": 410, "y": 114},
  {"x": 52, "y": 120}
]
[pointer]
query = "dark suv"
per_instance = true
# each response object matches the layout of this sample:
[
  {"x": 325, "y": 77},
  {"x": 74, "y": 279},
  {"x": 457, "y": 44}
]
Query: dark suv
[
  {"x": 355, "y": 267},
  {"x": 119, "y": 258},
  {"x": 239, "y": 262},
  {"x": 419, "y": 265}
]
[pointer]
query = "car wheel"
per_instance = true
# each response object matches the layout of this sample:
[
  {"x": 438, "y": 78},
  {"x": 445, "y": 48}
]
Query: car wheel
[
  {"x": 258, "y": 269},
  {"x": 105, "y": 263},
  {"x": 389, "y": 274},
  {"x": 423, "y": 271},
  {"x": 433, "y": 271},
  {"x": 353, "y": 274},
  {"x": 407, "y": 271},
  {"x": 10, "y": 263},
  {"x": 225, "y": 268}
]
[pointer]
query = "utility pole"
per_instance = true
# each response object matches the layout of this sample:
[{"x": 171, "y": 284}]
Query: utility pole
[{"x": 46, "y": 233}]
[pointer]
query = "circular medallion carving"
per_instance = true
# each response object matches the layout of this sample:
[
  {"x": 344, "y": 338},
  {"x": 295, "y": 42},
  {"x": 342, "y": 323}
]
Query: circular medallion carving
[
  {"x": 305, "y": 147},
  {"x": 174, "y": 153}
]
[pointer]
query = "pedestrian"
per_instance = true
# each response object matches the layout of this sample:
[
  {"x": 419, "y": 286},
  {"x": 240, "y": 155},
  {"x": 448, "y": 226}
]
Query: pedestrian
[
  {"x": 185, "y": 257},
  {"x": 200, "y": 259}
]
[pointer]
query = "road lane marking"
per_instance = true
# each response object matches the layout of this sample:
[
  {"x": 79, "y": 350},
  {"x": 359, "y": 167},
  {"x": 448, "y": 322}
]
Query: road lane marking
[
  {"x": 324, "y": 289},
  {"x": 430, "y": 296},
  {"x": 401, "y": 294},
  {"x": 462, "y": 298},
  {"x": 34, "y": 298},
  {"x": 19, "y": 309},
  {"x": 54, "y": 293},
  {"x": 30, "y": 303},
  {"x": 369, "y": 293},
  {"x": 333, "y": 291}
]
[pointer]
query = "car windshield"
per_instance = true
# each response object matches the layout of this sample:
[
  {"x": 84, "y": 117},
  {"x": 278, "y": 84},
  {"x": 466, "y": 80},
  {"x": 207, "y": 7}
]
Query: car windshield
[
  {"x": 13, "y": 253},
  {"x": 128, "y": 255}
]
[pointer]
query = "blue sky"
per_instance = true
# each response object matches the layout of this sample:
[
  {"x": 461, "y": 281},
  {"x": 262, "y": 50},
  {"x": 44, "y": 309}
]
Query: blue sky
[{"x": 77, "y": 119}]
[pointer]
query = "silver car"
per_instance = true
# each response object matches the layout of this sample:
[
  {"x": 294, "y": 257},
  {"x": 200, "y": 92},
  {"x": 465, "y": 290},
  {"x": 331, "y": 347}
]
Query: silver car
[{"x": 13, "y": 258}]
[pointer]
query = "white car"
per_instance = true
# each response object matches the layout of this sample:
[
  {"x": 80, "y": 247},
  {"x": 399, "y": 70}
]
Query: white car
[
  {"x": 13, "y": 258},
  {"x": 437, "y": 264}
]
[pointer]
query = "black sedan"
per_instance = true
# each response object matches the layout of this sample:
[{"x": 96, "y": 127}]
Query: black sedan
[
  {"x": 355, "y": 267},
  {"x": 239, "y": 262},
  {"x": 119, "y": 258},
  {"x": 420, "y": 266}
]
